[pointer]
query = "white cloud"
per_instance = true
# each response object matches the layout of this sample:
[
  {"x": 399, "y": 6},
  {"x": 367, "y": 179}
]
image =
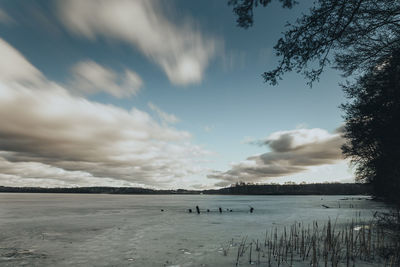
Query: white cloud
[
  {"x": 181, "y": 50},
  {"x": 165, "y": 117},
  {"x": 292, "y": 152},
  {"x": 15, "y": 68},
  {"x": 48, "y": 134},
  {"x": 294, "y": 139},
  {"x": 90, "y": 78}
]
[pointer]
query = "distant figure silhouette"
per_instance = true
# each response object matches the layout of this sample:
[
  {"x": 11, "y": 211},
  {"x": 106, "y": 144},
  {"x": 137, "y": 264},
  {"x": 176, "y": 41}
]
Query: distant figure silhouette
[
  {"x": 208, "y": 210},
  {"x": 162, "y": 210},
  {"x": 198, "y": 209},
  {"x": 230, "y": 210},
  {"x": 190, "y": 210},
  {"x": 251, "y": 209},
  {"x": 220, "y": 210}
]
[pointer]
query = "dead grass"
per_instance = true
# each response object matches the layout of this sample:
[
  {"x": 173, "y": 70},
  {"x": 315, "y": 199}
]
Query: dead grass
[{"x": 321, "y": 245}]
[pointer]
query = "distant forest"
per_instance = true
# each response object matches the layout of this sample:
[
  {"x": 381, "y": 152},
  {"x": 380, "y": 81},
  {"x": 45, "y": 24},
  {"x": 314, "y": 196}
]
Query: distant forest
[
  {"x": 238, "y": 189},
  {"x": 294, "y": 189}
]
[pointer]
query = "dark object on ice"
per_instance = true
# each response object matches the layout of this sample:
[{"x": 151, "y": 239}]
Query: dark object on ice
[
  {"x": 251, "y": 209},
  {"x": 162, "y": 210},
  {"x": 325, "y": 206},
  {"x": 190, "y": 210},
  {"x": 230, "y": 210},
  {"x": 220, "y": 210},
  {"x": 208, "y": 210},
  {"x": 198, "y": 209}
]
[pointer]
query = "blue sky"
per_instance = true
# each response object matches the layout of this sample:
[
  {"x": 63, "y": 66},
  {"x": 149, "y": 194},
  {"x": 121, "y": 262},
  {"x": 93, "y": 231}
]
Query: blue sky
[{"x": 187, "y": 66}]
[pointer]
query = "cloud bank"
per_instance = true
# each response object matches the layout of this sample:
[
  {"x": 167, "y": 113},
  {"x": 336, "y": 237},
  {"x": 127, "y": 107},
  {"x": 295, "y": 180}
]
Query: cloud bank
[
  {"x": 14, "y": 68},
  {"x": 180, "y": 50},
  {"x": 292, "y": 152},
  {"x": 50, "y": 137}
]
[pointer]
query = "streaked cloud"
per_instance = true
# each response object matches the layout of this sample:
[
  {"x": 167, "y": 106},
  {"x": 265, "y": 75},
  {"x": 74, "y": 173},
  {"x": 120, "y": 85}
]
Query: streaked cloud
[
  {"x": 46, "y": 133},
  {"x": 208, "y": 128},
  {"x": 91, "y": 77},
  {"x": 39, "y": 174},
  {"x": 182, "y": 51},
  {"x": 291, "y": 152},
  {"x": 5, "y": 18},
  {"x": 164, "y": 117},
  {"x": 15, "y": 68}
]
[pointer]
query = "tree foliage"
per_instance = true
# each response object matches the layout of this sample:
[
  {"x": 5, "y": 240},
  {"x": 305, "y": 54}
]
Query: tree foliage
[
  {"x": 357, "y": 37},
  {"x": 372, "y": 128},
  {"x": 350, "y": 35},
  {"x": 244, "y": 9}
]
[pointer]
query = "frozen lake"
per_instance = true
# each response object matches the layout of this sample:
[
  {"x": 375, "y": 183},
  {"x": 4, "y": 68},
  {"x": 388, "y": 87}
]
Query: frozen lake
[{"x": 131, "y": 230}]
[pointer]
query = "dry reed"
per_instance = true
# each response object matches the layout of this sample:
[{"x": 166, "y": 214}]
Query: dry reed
[{"x": 315, "y": 245}]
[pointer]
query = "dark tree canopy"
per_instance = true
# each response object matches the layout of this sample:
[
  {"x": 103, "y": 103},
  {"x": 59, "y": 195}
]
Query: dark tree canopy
[
  {"x": 350, "y": 35},
  {"x": 372, "y": 127},
  {"x": 359, "y": 37},
  {"x": 244, "y": 9}
]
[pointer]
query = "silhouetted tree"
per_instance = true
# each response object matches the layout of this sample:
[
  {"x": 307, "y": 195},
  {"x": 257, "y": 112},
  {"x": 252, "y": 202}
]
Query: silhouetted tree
[
  {"x": 359, "y": 34},
  {"x": 357, "y": 37},
  {"x": 372, "y": 128}
]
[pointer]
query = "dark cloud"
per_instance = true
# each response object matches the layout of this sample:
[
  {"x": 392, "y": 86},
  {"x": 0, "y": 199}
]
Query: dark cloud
[
  {"x": 283, "y": 144},
  {"x": 47, "y": 133},
  {"x": 291, "y": 152}
]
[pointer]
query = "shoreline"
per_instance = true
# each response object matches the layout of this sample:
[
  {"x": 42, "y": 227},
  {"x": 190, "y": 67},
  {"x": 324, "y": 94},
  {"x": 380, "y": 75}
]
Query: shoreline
[{"x": 268, "y": 189}]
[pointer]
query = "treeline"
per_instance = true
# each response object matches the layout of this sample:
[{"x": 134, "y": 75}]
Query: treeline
[
  {"x": 240, "y": 189},
  {"x": 295, "y": 189},
  {"x": 94, "y": 190}
]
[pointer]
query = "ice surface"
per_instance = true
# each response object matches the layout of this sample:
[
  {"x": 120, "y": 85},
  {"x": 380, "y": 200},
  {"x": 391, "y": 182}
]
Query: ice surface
[{"x": 131, "y": 230}]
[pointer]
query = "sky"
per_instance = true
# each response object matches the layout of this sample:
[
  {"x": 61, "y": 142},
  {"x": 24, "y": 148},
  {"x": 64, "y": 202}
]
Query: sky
[{"x": 158, "y": 94}]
